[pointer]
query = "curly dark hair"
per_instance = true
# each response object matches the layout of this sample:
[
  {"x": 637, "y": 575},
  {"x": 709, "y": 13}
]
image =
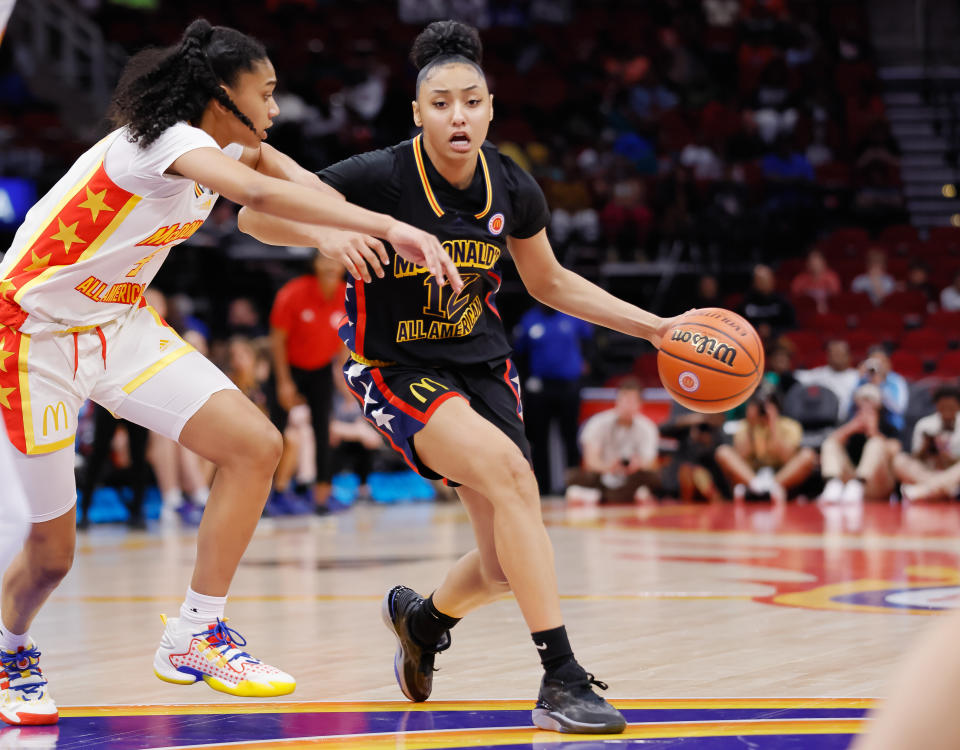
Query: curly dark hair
[
  {"x": 162, "y": 86},
  {"x": 444, "y": 42}
]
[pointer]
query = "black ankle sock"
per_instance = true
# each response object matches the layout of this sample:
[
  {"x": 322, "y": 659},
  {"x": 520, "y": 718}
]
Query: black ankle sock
[
  {"x": 429, "y": 623},
  {"x": 554, "y": 647}
]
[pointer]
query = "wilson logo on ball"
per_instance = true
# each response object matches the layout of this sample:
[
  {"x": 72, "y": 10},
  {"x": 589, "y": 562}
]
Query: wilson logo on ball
[
  {"x": 707, "y": 345},
  {"x": 688, "y": 381}
]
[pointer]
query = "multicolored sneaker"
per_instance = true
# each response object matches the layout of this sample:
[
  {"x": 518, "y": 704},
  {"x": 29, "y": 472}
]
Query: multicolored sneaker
[
  {"x": 567, "y": 703},
  {"x": 413, "y": 662},
  {"x": 214, "y": 656},
  {"x": 24, "y": 699}
]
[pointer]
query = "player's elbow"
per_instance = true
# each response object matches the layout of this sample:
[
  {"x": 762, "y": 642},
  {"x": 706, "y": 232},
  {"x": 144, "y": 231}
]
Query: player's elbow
[{"x": 545, "y": 288}]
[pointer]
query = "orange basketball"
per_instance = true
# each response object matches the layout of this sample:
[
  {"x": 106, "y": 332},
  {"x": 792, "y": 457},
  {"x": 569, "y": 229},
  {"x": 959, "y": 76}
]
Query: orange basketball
[{"x": 711, "y": 360}]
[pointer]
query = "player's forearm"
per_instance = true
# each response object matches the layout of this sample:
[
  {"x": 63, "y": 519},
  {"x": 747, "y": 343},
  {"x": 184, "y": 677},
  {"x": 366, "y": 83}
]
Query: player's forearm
[
  {"x": 273, "y": 230},
  {"x": 574, "y": 295},
  {"x": 284, "y": 200}
]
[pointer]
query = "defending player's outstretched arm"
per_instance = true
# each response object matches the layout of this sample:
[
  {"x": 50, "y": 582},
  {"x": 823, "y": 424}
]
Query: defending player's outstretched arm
[{"x": 568, "y": 292}]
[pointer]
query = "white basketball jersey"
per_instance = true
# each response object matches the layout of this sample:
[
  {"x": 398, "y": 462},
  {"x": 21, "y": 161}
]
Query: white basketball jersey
[{"x": 88, "y": 249}]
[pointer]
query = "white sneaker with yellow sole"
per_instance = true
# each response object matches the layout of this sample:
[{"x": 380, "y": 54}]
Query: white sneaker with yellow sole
[{"x": 188, "y": 654}]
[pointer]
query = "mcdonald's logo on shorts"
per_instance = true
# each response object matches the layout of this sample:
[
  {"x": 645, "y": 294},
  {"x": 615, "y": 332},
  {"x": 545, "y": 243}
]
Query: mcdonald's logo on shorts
[
  {"x": 54, "y": 411},
  {"x": 427, "y": 384}
]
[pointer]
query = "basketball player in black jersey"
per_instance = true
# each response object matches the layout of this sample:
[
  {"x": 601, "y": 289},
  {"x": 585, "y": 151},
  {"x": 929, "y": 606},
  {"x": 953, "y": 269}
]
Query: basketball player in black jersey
[{"x": 431, "y": 368}]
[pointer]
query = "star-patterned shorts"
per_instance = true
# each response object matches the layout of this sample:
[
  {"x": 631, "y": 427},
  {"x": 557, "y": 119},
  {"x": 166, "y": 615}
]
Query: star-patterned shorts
[
  {"x": 136, "y": 366},
  {"x": 399, "y": 400}
]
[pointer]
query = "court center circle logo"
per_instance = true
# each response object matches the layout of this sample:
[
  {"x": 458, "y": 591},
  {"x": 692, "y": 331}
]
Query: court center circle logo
[{"x": 688, "y": 381}]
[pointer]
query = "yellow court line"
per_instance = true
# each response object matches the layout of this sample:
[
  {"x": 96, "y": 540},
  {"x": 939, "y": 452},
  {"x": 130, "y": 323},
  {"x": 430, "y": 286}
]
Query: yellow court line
[
  {"x": 495, "y": 737},
  {"x": 285, "y": 707},
  {"x": 644, "y": 596}
]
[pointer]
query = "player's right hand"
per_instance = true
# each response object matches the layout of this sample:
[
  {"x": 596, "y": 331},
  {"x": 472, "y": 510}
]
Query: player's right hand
[
  {"x": 425, "y": 250},
  {"x": 359, "y": 253}
]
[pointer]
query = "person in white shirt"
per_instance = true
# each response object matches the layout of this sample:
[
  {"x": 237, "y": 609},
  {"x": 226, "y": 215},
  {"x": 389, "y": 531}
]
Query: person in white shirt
[
  {"x": 837, "y": 375},
  {"x": 926, "y": 472},
  {"x": 620, "y": 448},
  {"x": 950, "y": 296},
  {"x": 191, "y": 120}
]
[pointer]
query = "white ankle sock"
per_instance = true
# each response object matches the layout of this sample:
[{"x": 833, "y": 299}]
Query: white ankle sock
[
  {"x": 201, "y": 609},
  {"x": 11, "y": 641},
  {"x": 172, "y": 499}
]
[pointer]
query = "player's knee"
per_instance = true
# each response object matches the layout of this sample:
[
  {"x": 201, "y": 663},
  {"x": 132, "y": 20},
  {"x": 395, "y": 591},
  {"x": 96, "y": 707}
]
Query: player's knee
[
  {"x": 50, "y": 559},
  {"x": 513, "y": 473},
  {"x": 261, "y": 447}
]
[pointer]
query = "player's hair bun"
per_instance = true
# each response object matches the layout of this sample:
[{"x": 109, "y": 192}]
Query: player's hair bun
[
  {"x": 201, "y": 30},
  {"x": 446, "y": 39}
]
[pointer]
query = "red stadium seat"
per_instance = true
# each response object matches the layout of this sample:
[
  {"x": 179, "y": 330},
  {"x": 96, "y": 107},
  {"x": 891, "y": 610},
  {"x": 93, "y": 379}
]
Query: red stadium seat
[
  {"x": 860, "y": 341},
  {"x": 907, "y": 363},
  {"x": 947, "y": 321},
  {"x": 805, "y": 344},
  {"x": 853, "y": 305},
  {"x": 912, "y": 304},
  {"x": 945, "y": 237},
  {"x": 948, "y": 366},
  {"x": 645, "y": 369},
  {"x": 886, "y": 325},
  {"x": 805, "y": 307},
  {"x": 848, "y": 241},
  {"x": 829, "y": 325},
  {"x": 928, "y": 343},
  {"x": 899, "y": 234}
]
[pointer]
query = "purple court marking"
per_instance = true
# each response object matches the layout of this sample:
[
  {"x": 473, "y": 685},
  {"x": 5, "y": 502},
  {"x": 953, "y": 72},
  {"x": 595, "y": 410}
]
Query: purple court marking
[
  {"x": 753, "y": 742},
  {"x": 183, "y": 730}
]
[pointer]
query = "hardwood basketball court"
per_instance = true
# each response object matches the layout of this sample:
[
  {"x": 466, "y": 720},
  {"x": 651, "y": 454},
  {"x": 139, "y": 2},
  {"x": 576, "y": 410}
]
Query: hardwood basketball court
[{"x": 715, "y": 628}]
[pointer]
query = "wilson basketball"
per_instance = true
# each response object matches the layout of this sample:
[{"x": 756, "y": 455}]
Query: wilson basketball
[{"x": 711, "y": 360}]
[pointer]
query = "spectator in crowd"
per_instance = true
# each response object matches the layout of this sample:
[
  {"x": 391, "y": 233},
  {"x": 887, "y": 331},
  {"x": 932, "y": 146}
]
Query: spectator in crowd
[
  {"x": 305, "y": 344},
  {"x": 708, "y": 292},
  {"x": 934, "y": 447},
  {"x": 780, "y": 372},
  {"x": 918, "y": 280},
  {"x": 243, "y": 319},
  {"x": 693, "y": 473},
  {"x": 838, "y": 375},
  {"x": 620, "y": 451},
  {"x": 818, "y": 281},
  {"x": 894, "y": 389},
  {"x": 874, "y": 281},
  {"x": 856, "y": 459},
  {"x": 950, "y": 296},
  {"x": 626, "y": 219},
  {"x": 766, "y": 458},
  {"x": 552, "y": 345},
  {"x": 104, "y": 428},
  {"x": 770, "y": 312},
  {"x": 878, "y": 200},
  {"x": 353, "y": 440}
]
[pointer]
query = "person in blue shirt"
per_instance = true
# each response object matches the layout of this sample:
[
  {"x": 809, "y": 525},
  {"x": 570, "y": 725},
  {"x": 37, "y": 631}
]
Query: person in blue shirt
[
  {"x": 552, "y": 344},
  {"x": 893, "y": 386}
]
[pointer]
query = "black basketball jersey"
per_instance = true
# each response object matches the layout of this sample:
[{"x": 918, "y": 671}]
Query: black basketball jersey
[{"x": 404, "y": 317}]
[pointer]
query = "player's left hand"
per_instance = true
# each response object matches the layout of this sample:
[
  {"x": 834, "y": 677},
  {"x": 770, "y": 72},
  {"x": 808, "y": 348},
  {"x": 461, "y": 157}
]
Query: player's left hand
[{"x": 359, "y": 253}]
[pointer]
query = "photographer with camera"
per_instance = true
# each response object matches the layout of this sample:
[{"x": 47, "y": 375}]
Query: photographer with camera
[
  {"x": 935, "y": 448},
  {"x": 856, "y": 459},
  {"x": 894, "y": 390},
  {"x": 766, "y": 458}
]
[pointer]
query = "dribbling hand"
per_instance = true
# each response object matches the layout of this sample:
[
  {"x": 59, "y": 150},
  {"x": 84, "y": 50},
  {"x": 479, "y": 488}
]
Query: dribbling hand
[
  {"x": 665, "y": 325},
  {"x": 425, "y": 250}
]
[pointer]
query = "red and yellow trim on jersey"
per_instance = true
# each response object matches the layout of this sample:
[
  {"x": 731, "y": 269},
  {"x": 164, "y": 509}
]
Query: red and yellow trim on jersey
[
  {"x": 13, "y": 378},
  {"x": 428, "y": 190},
  {"x": 90, "y": 212}
]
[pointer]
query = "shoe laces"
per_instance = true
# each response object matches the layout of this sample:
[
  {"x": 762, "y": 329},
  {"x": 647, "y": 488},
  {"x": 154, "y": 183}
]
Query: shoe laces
[
  {"x": 226, "y": 641},
  {"x": 23, "y": 670}
]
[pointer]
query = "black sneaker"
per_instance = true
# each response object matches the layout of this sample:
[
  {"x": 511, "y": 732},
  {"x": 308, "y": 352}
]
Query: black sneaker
[
  {"x": 413, "y": 664},
  {"x": 567, "y": 703}
]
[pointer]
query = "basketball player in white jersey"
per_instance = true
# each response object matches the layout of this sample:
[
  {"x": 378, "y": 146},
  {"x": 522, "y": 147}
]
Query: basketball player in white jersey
[{"x": 73, "y": 325}]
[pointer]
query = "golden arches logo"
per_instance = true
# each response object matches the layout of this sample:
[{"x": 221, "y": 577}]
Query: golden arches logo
[
  {"x": 427, "y": 384},
  {"x": 55, "y": 411}
]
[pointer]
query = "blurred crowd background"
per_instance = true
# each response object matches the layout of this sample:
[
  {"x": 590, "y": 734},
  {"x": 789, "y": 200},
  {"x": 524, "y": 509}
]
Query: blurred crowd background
[{"x": 735, "y": 153}]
